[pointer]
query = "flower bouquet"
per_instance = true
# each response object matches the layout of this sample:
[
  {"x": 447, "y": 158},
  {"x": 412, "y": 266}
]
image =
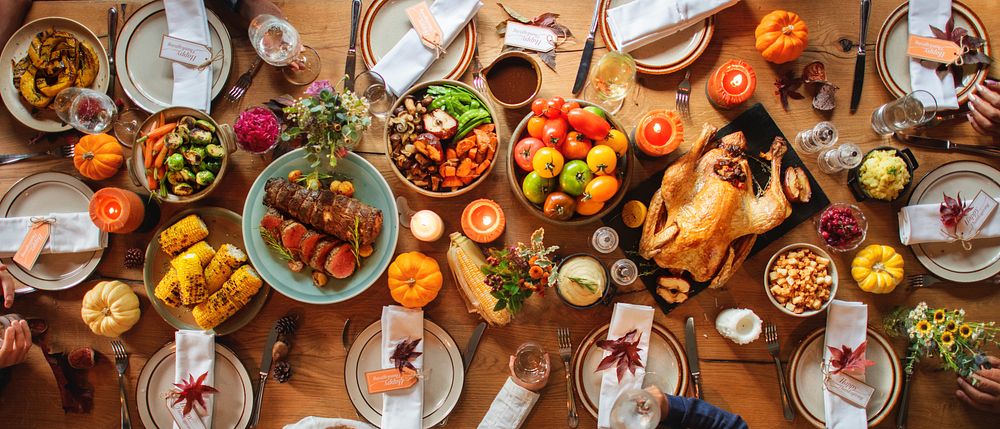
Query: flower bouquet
[
  {"x": 515, "y": 273},
  {"x": 330, "y": 122}
]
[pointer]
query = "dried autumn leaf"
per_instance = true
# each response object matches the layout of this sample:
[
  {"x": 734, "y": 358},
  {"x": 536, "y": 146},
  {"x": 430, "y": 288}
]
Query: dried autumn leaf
[
  {"x": 787, "y": 87},
  {"x": 846, "y": 359},
  {"x": 624, "y": 354},
  {"x": 549, "y": 58},
  {"x": 404, "y": 353},
  {"x": 824, "y": 99},
  {"x": 545, "y": 20},
  {"x": 192, "y": 391},
  {"x": 814, "y": 72},
  {"x": 953, "y": 210},
  {"x": 514, "y": 14}
]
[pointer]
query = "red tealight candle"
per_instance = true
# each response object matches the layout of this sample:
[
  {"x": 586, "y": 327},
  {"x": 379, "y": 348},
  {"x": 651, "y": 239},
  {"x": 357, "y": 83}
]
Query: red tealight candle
[
  {"x": 659, "y": 132},
  {"x": 116, "y": 210},
  {"x": 483, "y": 221},
  {"x": 731, "y": 85}
]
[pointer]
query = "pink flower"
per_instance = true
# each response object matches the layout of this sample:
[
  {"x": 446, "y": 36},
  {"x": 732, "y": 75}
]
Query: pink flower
[
  {"x": 317, "y": 87},
  {"x": 341, "y": 152}
]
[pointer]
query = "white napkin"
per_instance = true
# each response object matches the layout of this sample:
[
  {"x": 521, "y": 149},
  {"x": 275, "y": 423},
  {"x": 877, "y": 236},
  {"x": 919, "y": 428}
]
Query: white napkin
[
  {"x": 196, "y": 356},
  {"x": 923, "y": 14},
  {"x": 922, "y": 224},
  {"x": 402, "y": 409},
  {"x": 625, "y": 318},
  {"x": 846, "y": 324},
  {"x": 642, "y": 22},
  {"x": 70, "y": 233},
  {"x": 510, "y": 408},
  {"x": 325, "y": 423},
  {"x": 187, "y": 20},
  {"x": 409, "y": 59}
]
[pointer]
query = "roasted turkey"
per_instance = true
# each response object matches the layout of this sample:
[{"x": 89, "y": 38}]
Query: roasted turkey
[{"x": 706, "y": 216}]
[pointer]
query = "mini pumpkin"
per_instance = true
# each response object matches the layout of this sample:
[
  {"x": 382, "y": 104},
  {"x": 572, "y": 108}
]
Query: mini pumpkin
[
  {"x": 414, "y": 279},
  {"x": 781, "y": 36},
  {"x": 877, "y": 269},
  {"x": 98, "y": 156},
  {"x": 110, "y": 308}
]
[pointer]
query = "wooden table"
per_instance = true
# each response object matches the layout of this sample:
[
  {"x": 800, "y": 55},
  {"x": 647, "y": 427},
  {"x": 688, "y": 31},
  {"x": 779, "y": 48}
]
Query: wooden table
[{"x": 738, "y": 378}]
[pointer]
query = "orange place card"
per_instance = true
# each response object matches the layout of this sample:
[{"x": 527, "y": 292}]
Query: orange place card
[
  {"x": 426, "y": 26},
  {"x": 32, "y": 245},
  {"x": 931, "y": 49},
  {"x": 387, "y": 380}
]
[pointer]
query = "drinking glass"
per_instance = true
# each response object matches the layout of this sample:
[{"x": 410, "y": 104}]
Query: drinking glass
[
  {"x": 914, "y": 109},
  {"x": 127, "y": 125},
  {"x": 840, "y": 158},
  {"x": 529, "y": 363},
  {"x": 817, "y": 138},
  {"x": 604, "y": 239},
  {"x": 612, "y": 79},
  {"x": 624, "y": 272},
  {"x": 371, "y": 86},
  {"x": 89, "y": 111},
  {"x": 278, "y": 43},
  {"x": 635, "y": 409}
]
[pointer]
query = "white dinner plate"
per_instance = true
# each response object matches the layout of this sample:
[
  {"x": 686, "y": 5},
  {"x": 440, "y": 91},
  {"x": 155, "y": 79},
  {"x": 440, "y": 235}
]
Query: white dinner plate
[
  {"x": 444, "y": 373},
  {"x": 806, "y": 378},
  {"x": 385, "y": 23},
  {"x": 232, "y": 404},
  {"x": 669, "y": 54},
  {"x": 893, "y": 64},
  {"x": 147, "y": 79},
  {"x": 39, "y": 195},
  {"x": 666, "y": 364},
  {"x": 17, "y": 47},
  {"x": 950, "y": 261}
]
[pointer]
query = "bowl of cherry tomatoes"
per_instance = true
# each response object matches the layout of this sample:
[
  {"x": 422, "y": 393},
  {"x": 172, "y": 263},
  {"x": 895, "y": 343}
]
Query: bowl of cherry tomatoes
[{"x": 569, "y": 162}]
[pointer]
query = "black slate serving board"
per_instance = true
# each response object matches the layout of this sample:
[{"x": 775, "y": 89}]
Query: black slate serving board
[{"x": 760, "y": 130}]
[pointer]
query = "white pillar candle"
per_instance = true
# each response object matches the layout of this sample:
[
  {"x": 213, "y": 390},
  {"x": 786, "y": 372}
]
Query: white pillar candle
[
  {"x": 426, "y": 225},
  {"x": 740, "y": 325}
]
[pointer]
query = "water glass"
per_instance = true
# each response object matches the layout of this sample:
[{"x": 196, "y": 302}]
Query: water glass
[
  {"x": 127, "y": 125},
  {"x": 371, "y": 86},
  {"x": 914, "y": 109},
  {"x": 840, "y": 158},
  {"x": 612, "y": 79},
  {"x": 635, "y": 409},
  {"x": 529, "y": 363},
  {"x": 87, "y": 110},
  {"x": 279, "y": 44},
  {"x": 817, "y": 138}
]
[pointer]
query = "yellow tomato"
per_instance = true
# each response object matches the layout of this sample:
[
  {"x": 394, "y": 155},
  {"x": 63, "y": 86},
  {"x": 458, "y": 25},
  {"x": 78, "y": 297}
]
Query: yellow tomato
[
  {"x": 548, "y": 162},
  {"x": 617, "y": 141},
  {"x": 601, "y": 189},
  {"x": 602, "y": 160}
]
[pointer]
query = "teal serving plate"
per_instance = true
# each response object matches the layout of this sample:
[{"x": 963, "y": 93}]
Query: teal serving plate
[{"x": 369, "y": 187}]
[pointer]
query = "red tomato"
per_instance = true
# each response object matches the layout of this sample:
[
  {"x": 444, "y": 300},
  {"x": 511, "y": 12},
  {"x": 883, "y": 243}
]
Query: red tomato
[
  {"x": 552, "y": 107},
  {"x": 554, "y": 132},
  {"x": 524, "y": 150},
  {"x": 569, "y": 106},
  {"x": 576, "y": 146},
  {"x": 538, "y": 106},
  {"x": 535, "y": 125},
  {"x": 589, "y": 123}
]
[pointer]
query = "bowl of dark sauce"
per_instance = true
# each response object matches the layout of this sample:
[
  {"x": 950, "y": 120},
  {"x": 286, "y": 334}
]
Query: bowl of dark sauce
[{"x": 513, "y": 79}]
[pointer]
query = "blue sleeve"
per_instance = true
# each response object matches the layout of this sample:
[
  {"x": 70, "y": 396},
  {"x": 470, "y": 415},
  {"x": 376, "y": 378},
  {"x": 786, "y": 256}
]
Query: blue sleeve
[{"x": 697, "y": 414}]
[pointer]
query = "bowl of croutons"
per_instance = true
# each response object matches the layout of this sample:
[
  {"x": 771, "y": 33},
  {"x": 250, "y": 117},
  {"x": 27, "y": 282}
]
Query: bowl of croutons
[{"x": 801, "y": 280}]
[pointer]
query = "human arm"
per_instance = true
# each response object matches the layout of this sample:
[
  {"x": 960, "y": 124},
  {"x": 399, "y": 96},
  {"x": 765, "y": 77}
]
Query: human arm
[
  {"x": 693, "y": 413},
  {"x": 16, "y": 343},
  {"x": 12, "y": 13},
  {"x": 985, "y": 395},
  {"x": 514, "y": 402}
]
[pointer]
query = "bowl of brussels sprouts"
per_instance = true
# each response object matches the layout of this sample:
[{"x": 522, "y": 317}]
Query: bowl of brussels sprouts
[{"x": 181, "y": 154}]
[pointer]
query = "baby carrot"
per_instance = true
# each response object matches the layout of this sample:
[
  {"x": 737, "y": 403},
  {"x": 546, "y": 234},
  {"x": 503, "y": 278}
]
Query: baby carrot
[
  {"x": 160, "y": 157},
  {"x": 147, "y": 154},
  {"x": 161, "y": 130}
]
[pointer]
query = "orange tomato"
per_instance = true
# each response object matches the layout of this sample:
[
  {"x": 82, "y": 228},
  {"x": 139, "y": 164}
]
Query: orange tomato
[
  {"x": 548, "y": 162},
  {"x": 602, "y": 160},
  {"x": 601, "y": 189},
  {"x": 588, "y": 206},
  {"x": 576, "y": 146},
  {"x": 535, "y": 125},
  {"x": 616, "y": 140}
]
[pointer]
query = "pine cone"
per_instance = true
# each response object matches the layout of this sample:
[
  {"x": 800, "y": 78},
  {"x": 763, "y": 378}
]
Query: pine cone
[
  {"x": 282, "y": 371},
  {"x": 286, "y": 325},
  {"x": 134, "y": 258}
]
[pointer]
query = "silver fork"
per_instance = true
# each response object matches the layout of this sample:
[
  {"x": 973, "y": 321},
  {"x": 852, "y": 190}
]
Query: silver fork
[
  {"x": 566, "y": 352},
  {"x": 238, "y": 90},
  {"x": 683, "y": 97},
  {"x": 64, "y": 151},
  {"x": 926, "y": 280},
  {"x": 774, "y": 348},
  {"x": 477, "y": 72},
  {"x": 121, "y": 364}
]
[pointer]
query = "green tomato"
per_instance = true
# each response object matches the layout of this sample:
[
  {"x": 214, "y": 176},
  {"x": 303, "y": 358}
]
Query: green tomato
[
  {"x": 536, "y": 187},
  {"x": 596, "y": 110},
  {"x": 574, "y": 177}
]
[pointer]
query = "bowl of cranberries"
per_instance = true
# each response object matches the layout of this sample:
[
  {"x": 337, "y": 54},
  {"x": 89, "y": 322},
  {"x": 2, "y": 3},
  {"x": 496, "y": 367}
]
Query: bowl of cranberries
[{"x": 842, "y": 227}]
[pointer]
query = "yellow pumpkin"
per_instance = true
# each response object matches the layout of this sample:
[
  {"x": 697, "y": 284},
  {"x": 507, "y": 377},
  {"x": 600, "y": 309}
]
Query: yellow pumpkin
[
  {"x": 98, "y": 156},
  {"x": 110, "y": 308},
  {"x": 414, "y": 279},
  {"x": 781, "y": 36},
  {"x": 877, "y": 268}
]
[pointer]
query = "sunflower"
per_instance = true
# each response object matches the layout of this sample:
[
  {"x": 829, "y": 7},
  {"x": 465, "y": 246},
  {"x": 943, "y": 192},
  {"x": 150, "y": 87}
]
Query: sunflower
[
  {"x": 939, "y": 316},
  {"x": 923, "y": 327},
  {"x": 965, "y": 330},
  {"x": 947, "y": 340},
  {"x": 951, "y": 326}
]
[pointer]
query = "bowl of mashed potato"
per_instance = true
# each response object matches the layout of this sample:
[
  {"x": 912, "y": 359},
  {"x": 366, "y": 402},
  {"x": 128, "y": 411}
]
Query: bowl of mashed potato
[{"x": 885, "y": 174}]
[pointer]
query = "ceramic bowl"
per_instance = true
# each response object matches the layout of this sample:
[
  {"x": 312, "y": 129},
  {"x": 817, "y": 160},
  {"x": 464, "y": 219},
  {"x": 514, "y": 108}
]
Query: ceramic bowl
[
  {"x": 854, "y": 180},
  {"x": 514, "y": 54},
  {"x": 818, "y": 251},
  {"x": 608, "y": 287}
]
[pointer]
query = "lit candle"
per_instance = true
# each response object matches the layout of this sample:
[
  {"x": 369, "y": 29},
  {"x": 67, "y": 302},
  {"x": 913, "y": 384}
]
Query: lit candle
[
  {"x": 659, "y": 132},
  {"x": 732, "y": 84},
  {"x": 426, "y": 225},
  {"x": 483, "y": 221},
  {"x": 116, "y": 210}
]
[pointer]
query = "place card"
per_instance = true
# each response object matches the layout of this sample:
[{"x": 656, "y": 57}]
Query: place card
[
  {"x": 931, "y": 49},
  {"x": 981, "y": 208},
  {"x": 539, "y": 39},
  {"x": 387, "y": 380},
  {"x": 851, "y": 389},
  {"x": 29, "y": 250},
  {"x": 426, "y": 26},
  {"x": 197, "y": 418},
  {"x": 184, "y": 51}
]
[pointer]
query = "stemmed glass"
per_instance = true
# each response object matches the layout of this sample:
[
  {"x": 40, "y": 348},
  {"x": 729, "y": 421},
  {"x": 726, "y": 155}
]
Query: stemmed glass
[
  {"x": 637, "y": 408},
  {"x": 612, "y": 80},
  {"x": 278, "y": 43},
  {"x": 371, "y": 86},
  {"x": 89, "y": 111}
]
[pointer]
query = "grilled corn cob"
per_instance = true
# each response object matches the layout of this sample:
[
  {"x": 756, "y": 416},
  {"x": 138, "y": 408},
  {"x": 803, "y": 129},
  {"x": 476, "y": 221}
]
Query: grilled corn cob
[
  {"x": 187, "y": 231},
  {"x": 191, "y": 278},
  {"x": 168, "y": 289},
  {"x": 235, "y": 293},
  {"x": 204, "y": 251},
  {"x": 221, "y": 267},
  {"x": 466, "y": 261}
]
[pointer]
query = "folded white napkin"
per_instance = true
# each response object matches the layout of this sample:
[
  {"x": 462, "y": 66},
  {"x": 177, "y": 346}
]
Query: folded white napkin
[
  {"x": 187, "y": 20},
  {"x": 922, "y": 224},
  {"x": 923, "y": 14},
  {"x": 846, "y": 324},
  {"x": 402, "y": 409},
  {"x": 510, "y": 408},
  {"x": 409, "y": 59},
  {"x": 642, "y": 22},
  {"x": 70, "y": 233},
  {"x": 196, "y": 356},
  {"x": 625, "y": 318},
  {"x": 325, "y": 423}
]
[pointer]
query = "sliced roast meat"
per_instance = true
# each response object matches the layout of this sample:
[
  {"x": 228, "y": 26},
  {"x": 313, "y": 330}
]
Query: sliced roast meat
[
  {"x": 308, "y": 244},
  {"x": 271, "y": 222},
  {"x": 336, "y": 215},
  {"x": 323, "y": 249},
  {"x": 340, "y": 263},
  {"x": 291, "y": 234}
]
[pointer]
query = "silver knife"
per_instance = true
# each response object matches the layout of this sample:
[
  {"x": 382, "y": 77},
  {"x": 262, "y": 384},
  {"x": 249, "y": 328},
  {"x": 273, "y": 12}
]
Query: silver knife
[
  {"x": 112, "y": 40},
  {"x": 265, "y": 369},
  {"x": 947, "y": 145},
  {"x": 470, "y": 353},
  {"x": 691, "y": 343},
  {"x": 859, "y": 65},
  {"x": 588, "y": 52},
  {"x": 352, "y": 51}
]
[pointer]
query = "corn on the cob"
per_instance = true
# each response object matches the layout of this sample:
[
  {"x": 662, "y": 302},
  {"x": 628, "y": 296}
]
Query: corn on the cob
[
  {"x": 204, "y": 251},
  {"x": 187, "y": 231},
  {"x": 191, "y": 277},
  {"x": 235, "y": 293},
  {"x": 168, "y": 290},
  {"x": 466, "y": 261},
  {"x": 221, "y": 267}
]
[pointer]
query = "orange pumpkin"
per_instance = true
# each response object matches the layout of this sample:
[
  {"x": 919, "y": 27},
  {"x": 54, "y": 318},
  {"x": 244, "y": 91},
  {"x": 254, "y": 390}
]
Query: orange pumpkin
[
  {"x": 414, "y": 279},
  {"x": 98, "y": 156},
  {"x": 781, "y": 36}
]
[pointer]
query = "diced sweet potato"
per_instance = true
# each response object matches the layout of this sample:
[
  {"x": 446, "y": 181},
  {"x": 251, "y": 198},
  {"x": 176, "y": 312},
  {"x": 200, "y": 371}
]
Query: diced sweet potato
[
  {"x": 482, "y": 167},
  {"x": 447, "y": 171},
  {"x": 465, "y": 168},
  {"x": 487, "y": 127},
  {"x": 463, "y": 146},
  {"x": 467, "y": 180},
  {"x": 451, "y": 154},
  {"x": 473, "y": 153},
  {"x": 451, "y": 182}
]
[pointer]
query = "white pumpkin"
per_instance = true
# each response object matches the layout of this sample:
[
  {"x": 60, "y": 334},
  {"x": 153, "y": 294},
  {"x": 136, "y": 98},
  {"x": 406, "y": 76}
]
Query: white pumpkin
[{"x": 110, "y": 308}]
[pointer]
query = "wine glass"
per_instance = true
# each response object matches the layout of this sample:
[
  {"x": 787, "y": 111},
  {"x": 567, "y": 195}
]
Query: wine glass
[
  {"x": 127, "y": 125},
  {"x": 87, "y": 110},
  {"x": 638, "y": 408},
  {"x": 613, "y": 78},
  {"x": 371, "y": 86},
  {"x": 278, "y": 43}
]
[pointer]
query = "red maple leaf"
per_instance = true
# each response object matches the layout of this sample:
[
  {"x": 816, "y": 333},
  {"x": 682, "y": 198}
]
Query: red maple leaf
[
  {"x": 624, "y": 354},
  {"x": 404, "y": 353},
  {"x": 845, "y": 359},
  {"x": 192, "y": 391},
  {"x": 953, "y": 210}
]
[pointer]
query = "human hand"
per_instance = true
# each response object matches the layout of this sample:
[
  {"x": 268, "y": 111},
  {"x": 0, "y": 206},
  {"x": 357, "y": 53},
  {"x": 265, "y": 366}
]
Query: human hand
[
  {"x": 16, "y": 343},
  {"x": 8, "y": 285},
  {"x": 985, "y": 395},
  {"x": 984, "y": 108},
  {"x": 661, "y": 400},
  {"x": 534, "y": 387}
]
